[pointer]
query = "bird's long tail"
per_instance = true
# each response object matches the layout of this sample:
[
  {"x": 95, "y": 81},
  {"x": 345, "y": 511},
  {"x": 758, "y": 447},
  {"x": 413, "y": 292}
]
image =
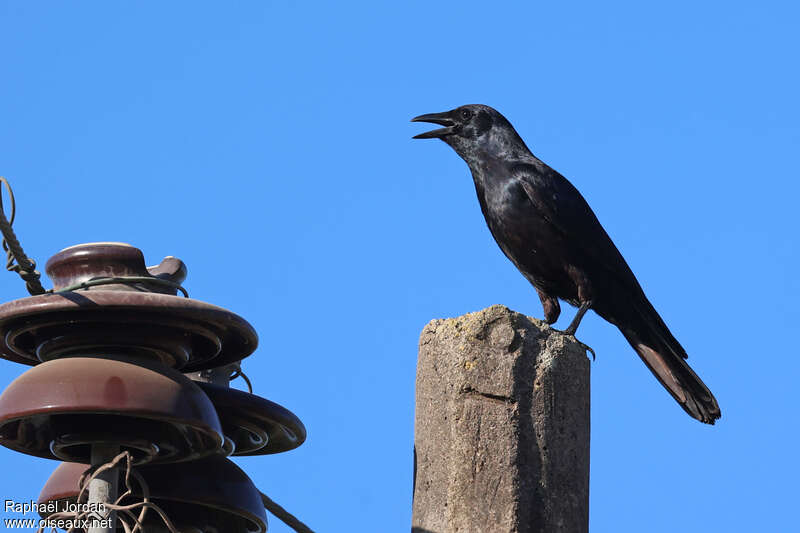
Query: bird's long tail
[{"x": 665, "y": 357}]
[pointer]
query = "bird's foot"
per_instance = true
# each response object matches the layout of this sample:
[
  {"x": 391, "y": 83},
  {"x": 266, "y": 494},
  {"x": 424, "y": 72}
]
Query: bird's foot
[
  {"x": 587, "y": 348},
  {"x": 584, "y": 346}
]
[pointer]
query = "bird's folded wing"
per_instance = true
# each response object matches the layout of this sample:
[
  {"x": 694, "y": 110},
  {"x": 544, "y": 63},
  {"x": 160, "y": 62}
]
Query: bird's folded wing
[{"x": 565, "y": 209}]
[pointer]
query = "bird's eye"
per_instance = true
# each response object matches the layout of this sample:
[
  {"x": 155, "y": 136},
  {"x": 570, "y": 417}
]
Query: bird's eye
[{"x": 466, "y": 114}]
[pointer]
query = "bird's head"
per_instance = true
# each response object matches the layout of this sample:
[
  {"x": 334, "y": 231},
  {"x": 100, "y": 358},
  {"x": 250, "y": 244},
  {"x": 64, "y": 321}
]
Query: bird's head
[{"x": 471, "y": 128}]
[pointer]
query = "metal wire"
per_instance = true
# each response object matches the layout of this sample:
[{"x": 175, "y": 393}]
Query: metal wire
[
  {"x": 125, "y": 280},
  {"x": 239, "y": 373},
  {"x": 285, "y": 516},
  {"x": 16, "y": 260},
  {"x": 131, "y": 523}
]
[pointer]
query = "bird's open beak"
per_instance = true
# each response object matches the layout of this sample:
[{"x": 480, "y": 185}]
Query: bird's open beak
[{"x": 443, "y": 119}]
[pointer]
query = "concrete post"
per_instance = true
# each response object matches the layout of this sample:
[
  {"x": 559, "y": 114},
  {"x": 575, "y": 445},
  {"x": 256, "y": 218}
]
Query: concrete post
[{"x": 502, "y": 427}]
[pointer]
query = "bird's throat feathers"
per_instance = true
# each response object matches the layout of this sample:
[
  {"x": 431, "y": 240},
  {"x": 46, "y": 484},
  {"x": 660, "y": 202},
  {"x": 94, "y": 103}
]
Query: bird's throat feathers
[{"x": 497, "y": 144}]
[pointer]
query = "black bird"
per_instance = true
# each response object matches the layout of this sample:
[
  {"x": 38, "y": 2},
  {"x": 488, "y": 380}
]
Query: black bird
[{"x": 546, "y": 228}]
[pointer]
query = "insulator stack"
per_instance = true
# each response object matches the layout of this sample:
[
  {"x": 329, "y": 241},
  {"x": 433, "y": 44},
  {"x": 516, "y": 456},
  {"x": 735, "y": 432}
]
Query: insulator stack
[{"x": 122, "y": 363}]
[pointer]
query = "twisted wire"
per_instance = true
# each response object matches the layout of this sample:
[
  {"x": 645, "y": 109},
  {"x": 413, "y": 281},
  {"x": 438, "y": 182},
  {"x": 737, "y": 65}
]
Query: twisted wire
[
  {"x": 131, "y": 523},
  {"x": 16, "y": 260}
]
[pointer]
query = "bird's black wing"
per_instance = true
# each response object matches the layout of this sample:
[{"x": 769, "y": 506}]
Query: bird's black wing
[{"x": 565, "y": 209}]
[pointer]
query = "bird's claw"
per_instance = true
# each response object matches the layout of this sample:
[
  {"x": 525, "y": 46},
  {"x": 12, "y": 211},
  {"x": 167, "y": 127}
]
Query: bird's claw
[
  {"x": 584, "y": 346},
  {"x": 588, "y": 349}
]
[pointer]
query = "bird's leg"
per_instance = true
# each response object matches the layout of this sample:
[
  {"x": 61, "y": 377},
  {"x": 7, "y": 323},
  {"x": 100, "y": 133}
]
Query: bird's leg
[
  {"x": 576, "y": 322},
  {"x": 573, "y": 326}
]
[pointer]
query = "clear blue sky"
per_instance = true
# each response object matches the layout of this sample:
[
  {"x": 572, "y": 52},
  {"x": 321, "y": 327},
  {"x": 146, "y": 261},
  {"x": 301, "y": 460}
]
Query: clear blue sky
[{"x": 268, "y": 145}]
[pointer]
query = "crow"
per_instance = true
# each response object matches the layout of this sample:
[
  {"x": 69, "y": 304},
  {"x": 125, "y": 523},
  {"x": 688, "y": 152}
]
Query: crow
[{"x": 546, "y": 228}]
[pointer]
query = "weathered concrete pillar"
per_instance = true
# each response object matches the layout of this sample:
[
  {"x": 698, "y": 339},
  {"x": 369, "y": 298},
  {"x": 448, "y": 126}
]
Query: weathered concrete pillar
[{"x": 502, "y": 427}]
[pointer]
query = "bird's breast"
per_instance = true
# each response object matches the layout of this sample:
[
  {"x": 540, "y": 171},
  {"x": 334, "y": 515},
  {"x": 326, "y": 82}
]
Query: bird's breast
[{"x": 522, "y": 231}]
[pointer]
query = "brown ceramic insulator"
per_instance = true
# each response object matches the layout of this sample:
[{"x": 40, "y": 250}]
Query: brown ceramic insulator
[
  {"x": 61, "y": 488},
  {"x": 175, "y": 331},
  {"x": 85, "y": 262},
  {"x": 144, "y": 318},
  {"x": 256, "y": 425},
  {"x": 58, "y": 409},
  {"x": 210, "y": 493}
]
